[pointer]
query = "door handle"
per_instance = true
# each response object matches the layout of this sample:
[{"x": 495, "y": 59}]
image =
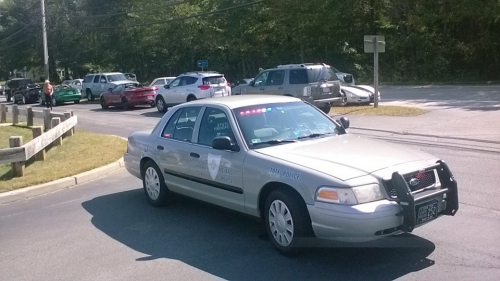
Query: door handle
[
  {"x": 280, "y": 88},
  {"x": 160, "y": 147},
  {"x": 195, "y": 155},
  {"x": 262, "y": 89}
]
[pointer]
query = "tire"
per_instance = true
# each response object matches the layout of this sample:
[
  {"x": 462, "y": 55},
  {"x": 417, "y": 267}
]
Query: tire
[
  {"x": 191, "y": 98},
  {"x": 77, "y": 101},
  {"x": 154, "y": 185},
  {"x": 160, "y": 104},
  {"x": 326, "y": 108},
  {"x": 286, "y": 220},
  {"x": 103, "y": 103},
  {"x": 24, "y": 100},
  {"x": 344, "y": 98},
  {"x": 8, "y": 97},
  {"x": 125, "y": 104},
  {"x": 90, "y": 97}
]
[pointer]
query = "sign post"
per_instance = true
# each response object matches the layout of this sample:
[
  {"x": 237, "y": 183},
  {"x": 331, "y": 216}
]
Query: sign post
[
  {"x": 203, "y": 64},
  {"x": 374, "y": 44}
]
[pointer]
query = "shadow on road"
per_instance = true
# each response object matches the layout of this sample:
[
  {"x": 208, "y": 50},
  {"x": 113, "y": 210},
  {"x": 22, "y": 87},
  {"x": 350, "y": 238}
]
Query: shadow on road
[
  {"x": 155, "y": 114},
  {"x": 120, "y": 109},
  {"x": 233, "y": 246}
]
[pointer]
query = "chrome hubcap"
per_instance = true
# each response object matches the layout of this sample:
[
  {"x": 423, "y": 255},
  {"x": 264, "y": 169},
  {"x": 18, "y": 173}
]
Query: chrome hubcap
[
  {"x": 344, "y": 98},
  {"x": 24, "y": 100},
  {"x": 152, "y": 182},
  {"x": 160, "y": 104},
  {"x": 281, "y": 223}
]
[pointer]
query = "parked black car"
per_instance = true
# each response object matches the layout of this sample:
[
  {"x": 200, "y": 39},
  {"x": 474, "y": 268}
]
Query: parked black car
[{"x": 15, "y": 85}]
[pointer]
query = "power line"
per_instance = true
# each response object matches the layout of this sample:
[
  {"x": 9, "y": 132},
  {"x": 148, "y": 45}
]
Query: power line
[
  {"x": 178, "y": 19},
  {"x": 15, "y": 33},
  {"x": 129, "y": 12},
  {"x": 19, "y": 42}
]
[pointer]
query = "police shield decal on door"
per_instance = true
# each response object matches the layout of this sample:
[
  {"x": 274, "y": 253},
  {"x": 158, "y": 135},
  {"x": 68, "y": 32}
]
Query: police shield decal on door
[{"x": 213, "y": 165}]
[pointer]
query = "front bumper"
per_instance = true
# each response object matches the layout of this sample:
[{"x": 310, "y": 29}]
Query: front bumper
[
  {"x": 142, "y": 100},
  {"x": 370, "y": 221}
]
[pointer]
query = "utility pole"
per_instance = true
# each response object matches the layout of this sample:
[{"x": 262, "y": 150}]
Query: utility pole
[{"x": 45, "y": 48}]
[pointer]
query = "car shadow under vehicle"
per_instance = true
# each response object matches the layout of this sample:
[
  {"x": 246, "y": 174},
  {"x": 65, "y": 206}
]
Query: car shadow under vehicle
[{"x": 235, "y": 247}]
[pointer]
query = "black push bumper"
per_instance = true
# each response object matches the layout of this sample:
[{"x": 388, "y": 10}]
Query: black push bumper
[{"x": 408, "y": 201}]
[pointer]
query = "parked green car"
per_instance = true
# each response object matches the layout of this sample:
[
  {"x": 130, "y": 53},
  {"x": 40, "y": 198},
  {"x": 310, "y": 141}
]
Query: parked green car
[{"x": 62, "y": 94}]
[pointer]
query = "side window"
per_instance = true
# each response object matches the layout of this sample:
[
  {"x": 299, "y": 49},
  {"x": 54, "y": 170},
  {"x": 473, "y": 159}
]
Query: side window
[
  {"x": 181, "y": 124},
  {"x": 298, "y": 76},
  {"x": 88, "y": 79},
  {"x": 276, "y": 77},
  {"x": 103, "y": 79},
  {"x": 190, "y": 80},
  {"x": 96, "y": 78},
  {"x": 176, "y": 82},
  {"x": 118, "y": 88},
  {"x": 261, "y": 80},
  {"x": 159, "y": 82},
  {"x": 214, "y": 124}
]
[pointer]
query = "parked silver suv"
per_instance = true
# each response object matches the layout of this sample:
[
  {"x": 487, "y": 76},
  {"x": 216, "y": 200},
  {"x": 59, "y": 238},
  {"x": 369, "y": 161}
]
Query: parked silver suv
[
  {"x": 95, "y": 84},
  {"x": 312, "y": 82}
]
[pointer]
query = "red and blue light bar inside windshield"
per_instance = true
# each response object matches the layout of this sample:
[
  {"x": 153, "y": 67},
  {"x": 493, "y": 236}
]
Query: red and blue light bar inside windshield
[{"x": 256, "y": 111}]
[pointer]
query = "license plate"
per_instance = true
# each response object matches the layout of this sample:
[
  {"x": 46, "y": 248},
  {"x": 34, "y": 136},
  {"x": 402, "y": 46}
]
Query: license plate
[
  {"x": 150, "y": 97},
  {"x": 326, "y": 90},
  {"x": 427, "y": 212}
]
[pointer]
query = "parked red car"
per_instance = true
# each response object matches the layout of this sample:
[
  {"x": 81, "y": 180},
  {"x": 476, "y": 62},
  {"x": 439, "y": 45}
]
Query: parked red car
[{"x": 128, "y": 95}]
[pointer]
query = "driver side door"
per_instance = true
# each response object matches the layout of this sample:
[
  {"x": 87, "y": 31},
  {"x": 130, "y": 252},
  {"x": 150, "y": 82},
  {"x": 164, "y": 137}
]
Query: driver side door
[{"x": 170, "y": 92}]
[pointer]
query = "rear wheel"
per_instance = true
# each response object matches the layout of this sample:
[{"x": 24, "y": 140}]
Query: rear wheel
[
  {"x": 24, "y": 100},
  {"x": 104, "y": 105},
  {"x": 344, "y": 98},
  {"x": 191, "y": 98},
  {"x": 154, "y": 185},
  {"x": 160, "y": 104},
  {"x": 77, "y": 101},
  {"x": 286, "y": 220},
  {"x": 90, "y": 97},
  {"x": 125, "y": 104}
]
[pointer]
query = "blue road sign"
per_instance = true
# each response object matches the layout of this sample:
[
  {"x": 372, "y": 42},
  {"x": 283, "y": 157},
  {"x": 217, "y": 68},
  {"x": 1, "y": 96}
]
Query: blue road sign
[{"x": 203, "y": 63}]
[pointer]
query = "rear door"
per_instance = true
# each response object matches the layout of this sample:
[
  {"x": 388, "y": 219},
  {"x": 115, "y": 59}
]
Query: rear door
[
  {"x": 173, "y": 147},
  {"x": 170, "y": 92}
]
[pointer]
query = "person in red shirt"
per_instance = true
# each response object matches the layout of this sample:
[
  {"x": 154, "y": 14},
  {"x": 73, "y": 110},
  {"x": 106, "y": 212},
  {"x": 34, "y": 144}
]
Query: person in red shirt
[{"x": 48, "y": 90}]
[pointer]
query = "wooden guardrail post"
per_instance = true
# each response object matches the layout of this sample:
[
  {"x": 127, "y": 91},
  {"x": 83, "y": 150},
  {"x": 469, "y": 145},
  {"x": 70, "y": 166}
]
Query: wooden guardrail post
[
  {"x": 17, "y": 167},
  {"x": 72, "y": 129},
  {"x": 47, "y": 125},
  {"x": 3, "y": 113},
  {"x": 29, "y": 116},
  {"x": 38, "y": 131},
  {"x": 56, "y": 121},
  {"x": 15, "y": 114},
  {"x": 67, "y": 115}
]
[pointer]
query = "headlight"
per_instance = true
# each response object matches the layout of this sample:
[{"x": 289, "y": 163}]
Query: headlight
[
  {"x": 336, "y": 195},
  {"x": 307, "y": 91},
  {"x": 368, "y": 193}
]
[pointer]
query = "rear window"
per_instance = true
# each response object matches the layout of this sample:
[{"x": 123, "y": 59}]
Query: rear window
[
  {"x": 116, "y": 77},
  {"x": 214, "y": 80},
  {"x": 22, "y": 82},
  {"x": 88, "y": 79},
  {"x": 298, "y": 76},
  {"x": 321, "y": 74}
]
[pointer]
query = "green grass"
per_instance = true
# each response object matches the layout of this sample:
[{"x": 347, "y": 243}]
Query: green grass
[
  {"x": 73, "y": 157},
  {"x": 7, "y": 131},
  {"x": 386, "y": 110}
]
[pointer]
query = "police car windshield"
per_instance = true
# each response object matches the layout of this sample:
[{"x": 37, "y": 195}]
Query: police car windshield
[{"x": 266, "y": 123}]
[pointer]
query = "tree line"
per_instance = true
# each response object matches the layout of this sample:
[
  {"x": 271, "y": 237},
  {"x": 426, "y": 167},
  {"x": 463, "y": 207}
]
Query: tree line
[{"x": 426, "y": 40}]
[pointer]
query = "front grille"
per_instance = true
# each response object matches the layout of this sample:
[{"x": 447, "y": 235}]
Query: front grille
[
  {"x": 348, "y": 78},
  {"x": 416, "y": 181}
]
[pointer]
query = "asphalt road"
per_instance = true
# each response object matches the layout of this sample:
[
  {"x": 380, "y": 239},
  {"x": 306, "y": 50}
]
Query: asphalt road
[{"x": 105, "y": 230}]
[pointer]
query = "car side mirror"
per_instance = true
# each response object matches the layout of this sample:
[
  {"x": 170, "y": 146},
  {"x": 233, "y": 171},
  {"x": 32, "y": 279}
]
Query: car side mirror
[
  {"x": 224, "y": 143},
  {"x": 344, "y": 121},
  {"x": 252, "y": 83},
  {"x": 110, "y": 90},
  {"x": 166, "y": 86}
]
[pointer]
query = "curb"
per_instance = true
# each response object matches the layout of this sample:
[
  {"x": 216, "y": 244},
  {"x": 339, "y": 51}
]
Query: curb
[{"x": 64, "y": 183}]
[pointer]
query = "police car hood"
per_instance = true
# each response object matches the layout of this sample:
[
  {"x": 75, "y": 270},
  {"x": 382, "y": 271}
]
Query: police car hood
[{"x": 348, "y": 156}]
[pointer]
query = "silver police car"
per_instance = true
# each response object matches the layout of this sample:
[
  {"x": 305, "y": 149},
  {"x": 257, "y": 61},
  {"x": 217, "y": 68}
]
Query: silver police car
[{"x": 285, "y": 161}]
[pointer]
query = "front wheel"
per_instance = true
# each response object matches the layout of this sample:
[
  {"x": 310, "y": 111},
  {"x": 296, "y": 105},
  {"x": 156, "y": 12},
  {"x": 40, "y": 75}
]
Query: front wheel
[
  {"x": 154, "y": 185},
  {"x": 286, "y": 220},
  {"x": 103, "y": 103},
  {"x": 344, "y": 98},
  {"x": 90, "y": 97}
]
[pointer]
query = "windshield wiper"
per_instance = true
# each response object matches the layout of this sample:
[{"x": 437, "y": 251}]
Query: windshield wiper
[
  {"x": 273, "y": 142},
  {"x": 315, "y": 135}
]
